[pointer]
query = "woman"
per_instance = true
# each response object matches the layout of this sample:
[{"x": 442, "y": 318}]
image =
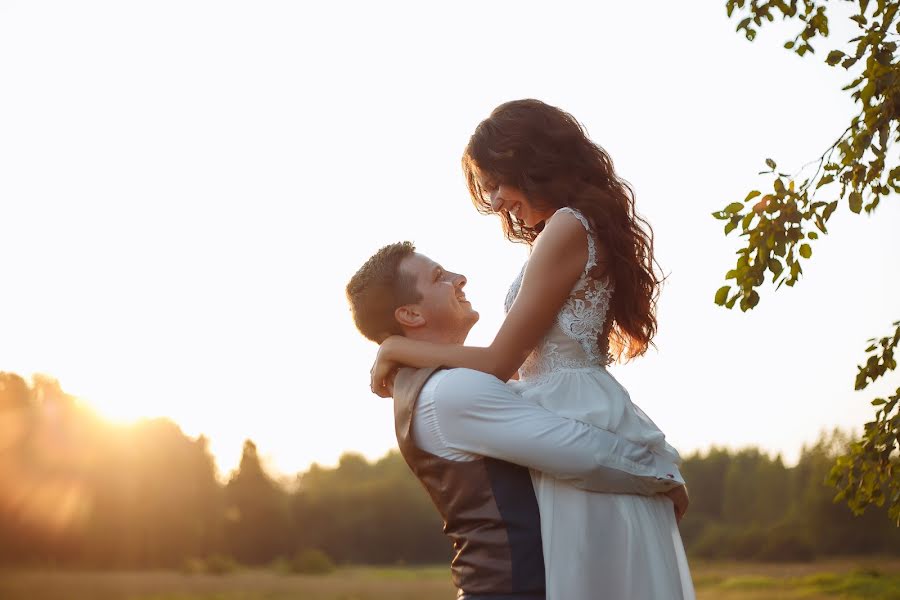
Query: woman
[{"x": 586, "y": 296}]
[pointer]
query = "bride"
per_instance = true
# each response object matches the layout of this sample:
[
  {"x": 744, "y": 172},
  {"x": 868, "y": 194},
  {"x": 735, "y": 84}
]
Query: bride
[{"x": 585, "y": 297}]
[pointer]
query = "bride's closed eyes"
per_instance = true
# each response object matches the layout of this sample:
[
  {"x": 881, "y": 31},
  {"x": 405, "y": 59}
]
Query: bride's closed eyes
[{"x": 488, "y": 186}]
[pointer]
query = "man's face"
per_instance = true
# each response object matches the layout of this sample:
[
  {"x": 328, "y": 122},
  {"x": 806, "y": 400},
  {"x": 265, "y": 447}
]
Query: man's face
[{"x": 444, "y": 310}]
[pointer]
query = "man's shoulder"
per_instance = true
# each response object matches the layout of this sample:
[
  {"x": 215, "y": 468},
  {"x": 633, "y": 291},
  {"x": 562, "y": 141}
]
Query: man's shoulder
[
  {"x": 408, "y": 376},
  {"x": 408, "y": 382},
  {"x": 466, "y": 377}
]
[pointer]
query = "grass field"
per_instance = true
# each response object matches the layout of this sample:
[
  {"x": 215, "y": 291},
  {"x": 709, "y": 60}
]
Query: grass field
[{"x": 851, "y": 578}]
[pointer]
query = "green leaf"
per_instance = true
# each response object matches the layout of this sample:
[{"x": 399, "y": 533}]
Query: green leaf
[
  {"x": 732, "y": 300},
  {"x": 825, "y": 180},
  {"x": 812, "y": 235},
  {"x": 849, "y": 86},
  {"x": 775, "y": 266},
  {"x": 834, "y": 57},
  {"x": 789, "y": 45},
  {"x": 855, "y": 201},
  {"x": 722, "y": 295},
  {"x": 752, "y": 195},
  {"x": 745, "y": 222},
  {"x": 805, "y": 251},
  {"x": 770, "y": 163},
  {"x": 733, "y": 208},
  {"x": 750, "y": 301},
  {"x": 878, "y": 401}
]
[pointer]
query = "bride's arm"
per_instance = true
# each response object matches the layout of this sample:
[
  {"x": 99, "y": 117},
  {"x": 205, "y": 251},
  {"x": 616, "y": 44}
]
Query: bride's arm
[{"x": 556, "y": 263}]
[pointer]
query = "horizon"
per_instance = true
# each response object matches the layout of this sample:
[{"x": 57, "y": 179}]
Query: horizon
[{"x": 279, "y": 475}]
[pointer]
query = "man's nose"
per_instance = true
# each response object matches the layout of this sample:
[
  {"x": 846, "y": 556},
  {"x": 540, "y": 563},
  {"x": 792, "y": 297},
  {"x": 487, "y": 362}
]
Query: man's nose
[{"x": 459, "y": 281}]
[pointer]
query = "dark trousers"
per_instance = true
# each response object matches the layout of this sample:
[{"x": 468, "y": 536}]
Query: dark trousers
[{"x": 519, "y": 596}]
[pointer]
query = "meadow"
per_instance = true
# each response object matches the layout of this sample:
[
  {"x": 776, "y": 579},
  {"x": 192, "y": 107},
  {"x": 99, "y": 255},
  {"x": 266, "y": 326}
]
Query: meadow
[{"x": 829, "y": 579}]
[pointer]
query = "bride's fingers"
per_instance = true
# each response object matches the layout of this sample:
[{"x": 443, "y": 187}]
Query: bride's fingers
[{"x": 379, "y": 388}]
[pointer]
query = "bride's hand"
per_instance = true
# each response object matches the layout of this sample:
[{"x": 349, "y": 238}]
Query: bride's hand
[
  {"x": 680, "y": 500},
  {"x": 382, "y": 373}
]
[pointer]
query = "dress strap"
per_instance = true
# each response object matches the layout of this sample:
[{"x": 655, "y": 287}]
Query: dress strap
[{"x": 592, "y": 250}]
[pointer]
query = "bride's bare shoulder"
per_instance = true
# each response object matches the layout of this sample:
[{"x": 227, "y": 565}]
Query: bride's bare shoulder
[{"x": 564, "y": 234}]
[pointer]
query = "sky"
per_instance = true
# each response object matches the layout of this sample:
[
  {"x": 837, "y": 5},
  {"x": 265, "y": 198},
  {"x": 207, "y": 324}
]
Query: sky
[{"x": 186, "y": 187}]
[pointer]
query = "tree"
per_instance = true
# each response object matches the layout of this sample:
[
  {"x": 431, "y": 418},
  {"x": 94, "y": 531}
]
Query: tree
[
  {"x": 350, "y": 511},
  {"x": 154, "y": 496},
  {"x": 856, "y": 171},
  {"x": 258, "y": 527}
]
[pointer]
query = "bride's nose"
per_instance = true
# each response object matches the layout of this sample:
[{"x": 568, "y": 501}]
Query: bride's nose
[{"x": 496, "y": 200}]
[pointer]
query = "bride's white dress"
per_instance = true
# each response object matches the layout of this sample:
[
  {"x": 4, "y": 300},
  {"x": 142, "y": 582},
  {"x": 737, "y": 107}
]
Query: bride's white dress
[{"x": 598, "y": 546}]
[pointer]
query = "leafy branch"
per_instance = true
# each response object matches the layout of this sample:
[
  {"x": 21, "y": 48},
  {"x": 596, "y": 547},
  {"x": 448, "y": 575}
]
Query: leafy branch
[
  {"x": 780, "y": 225},
  {"x": 870, "y": 472},
  {"x": 857, "y": 170}
]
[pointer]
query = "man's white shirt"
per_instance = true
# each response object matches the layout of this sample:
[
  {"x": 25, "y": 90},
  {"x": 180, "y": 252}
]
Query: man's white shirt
[{"x": 462, "y": 415}]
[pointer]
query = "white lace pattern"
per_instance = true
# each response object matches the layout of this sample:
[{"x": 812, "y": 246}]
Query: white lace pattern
[{"x": 582, "y": 320}]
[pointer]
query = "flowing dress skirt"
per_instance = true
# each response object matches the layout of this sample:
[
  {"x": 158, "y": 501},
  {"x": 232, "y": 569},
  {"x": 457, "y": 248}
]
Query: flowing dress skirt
[{"x": 606, "y": 546}]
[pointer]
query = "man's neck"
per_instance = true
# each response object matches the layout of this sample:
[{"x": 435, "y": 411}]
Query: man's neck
[{"x": 437, "y": 337}]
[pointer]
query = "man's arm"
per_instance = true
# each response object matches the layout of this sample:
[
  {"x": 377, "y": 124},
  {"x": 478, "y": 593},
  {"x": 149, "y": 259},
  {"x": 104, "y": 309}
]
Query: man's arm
[{"x": 478, "y": 413}]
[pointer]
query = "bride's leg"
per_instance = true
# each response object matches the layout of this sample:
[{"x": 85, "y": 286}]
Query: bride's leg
[{"x": 599, "y": 546}]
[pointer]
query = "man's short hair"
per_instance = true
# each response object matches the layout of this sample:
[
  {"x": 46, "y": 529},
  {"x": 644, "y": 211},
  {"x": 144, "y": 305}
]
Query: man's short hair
[{"x": 379, "y": 288}]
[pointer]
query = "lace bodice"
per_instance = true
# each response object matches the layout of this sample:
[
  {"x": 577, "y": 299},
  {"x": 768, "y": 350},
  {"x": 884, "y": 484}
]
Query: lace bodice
[{"x": 574, "y": 341}]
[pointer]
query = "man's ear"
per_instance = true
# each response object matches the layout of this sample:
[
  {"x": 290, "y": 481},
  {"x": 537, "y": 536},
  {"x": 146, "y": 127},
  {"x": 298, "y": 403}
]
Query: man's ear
[{"x": 409, "y": 315}]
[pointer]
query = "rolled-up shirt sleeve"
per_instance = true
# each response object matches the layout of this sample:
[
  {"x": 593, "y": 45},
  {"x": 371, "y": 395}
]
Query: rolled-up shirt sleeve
[{"x": 477, "y": 413}]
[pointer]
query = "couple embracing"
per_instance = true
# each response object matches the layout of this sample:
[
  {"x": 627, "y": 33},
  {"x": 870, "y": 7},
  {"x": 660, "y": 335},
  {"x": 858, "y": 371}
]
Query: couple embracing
[{"x": 551, "y": 482}]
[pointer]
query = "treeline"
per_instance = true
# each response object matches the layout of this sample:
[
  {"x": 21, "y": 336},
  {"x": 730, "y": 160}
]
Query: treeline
[
  {"x": 76, "y": 490},
  {"x": 748, "y": 505}
]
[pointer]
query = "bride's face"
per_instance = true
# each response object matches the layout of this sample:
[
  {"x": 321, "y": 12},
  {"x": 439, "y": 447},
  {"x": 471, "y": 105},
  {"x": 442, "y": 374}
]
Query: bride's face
[{"x": 510, "y": 199}]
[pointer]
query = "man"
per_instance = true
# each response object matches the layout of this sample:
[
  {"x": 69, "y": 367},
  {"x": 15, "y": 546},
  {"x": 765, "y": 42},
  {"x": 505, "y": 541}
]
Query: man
[{"x": 470, "y": 438}]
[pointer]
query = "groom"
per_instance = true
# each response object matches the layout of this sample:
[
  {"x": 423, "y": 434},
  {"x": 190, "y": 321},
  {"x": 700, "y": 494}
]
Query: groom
[{"x": 470, "y": 438}]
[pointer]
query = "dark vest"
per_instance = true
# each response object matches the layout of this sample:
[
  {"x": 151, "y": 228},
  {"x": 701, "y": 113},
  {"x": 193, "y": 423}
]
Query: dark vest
[{"x": 488, "y": 506}]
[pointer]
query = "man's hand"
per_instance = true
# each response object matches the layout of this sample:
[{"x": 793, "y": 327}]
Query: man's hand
[{"x": 679, "y": 498}]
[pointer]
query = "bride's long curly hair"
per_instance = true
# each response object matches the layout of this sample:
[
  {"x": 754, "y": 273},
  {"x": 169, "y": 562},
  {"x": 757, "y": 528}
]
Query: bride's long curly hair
[{"x": 547, "y": 154}]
